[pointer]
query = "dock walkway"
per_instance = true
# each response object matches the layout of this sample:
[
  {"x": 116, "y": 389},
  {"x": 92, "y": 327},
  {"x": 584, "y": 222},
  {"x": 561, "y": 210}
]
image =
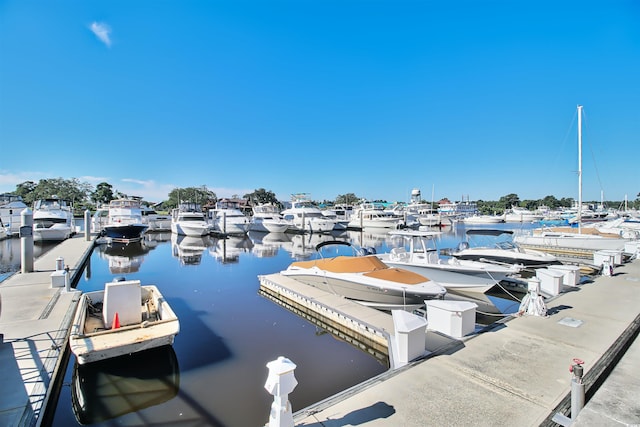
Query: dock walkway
[
  {"x": 34, "y": 324},
  {"x": 516, "y": 374}
]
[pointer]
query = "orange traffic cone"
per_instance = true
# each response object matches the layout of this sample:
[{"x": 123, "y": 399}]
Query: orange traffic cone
[{"x": 116, "y": 321}]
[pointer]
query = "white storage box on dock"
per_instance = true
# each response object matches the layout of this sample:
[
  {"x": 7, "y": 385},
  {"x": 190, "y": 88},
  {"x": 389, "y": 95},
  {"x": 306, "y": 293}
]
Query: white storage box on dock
[
  {"x": 410, "y": 335},
  {"x": 570, "y": 273},
  {"x": 617, "y": 256},
  {"x": 632, "y": 247},
  {"x": 599, "y": 257},
  {"x": 453, "y": 318},
  {"x": 550, "y": 281},
  {"x": 58, "y": 279}
]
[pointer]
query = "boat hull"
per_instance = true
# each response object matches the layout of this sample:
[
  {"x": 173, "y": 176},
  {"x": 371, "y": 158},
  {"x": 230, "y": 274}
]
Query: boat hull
[
  {"x": 125, "y": 233},
  {"x": 55, "y": 233}
]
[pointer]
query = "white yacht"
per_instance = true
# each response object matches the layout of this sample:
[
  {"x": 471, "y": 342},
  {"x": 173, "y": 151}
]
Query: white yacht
[
  {"x": 11, "y": 207},
  {"x": 266, "y": 218},
  {"x": 188, "y": 220},
  {"x": 373, "y": 215},
  {"x": 155, "y": 221},
  {"x": 227, "y": 218},
  {"x": 519, "y": 214},
  {"x": 52, "y": 220},
  {"x": 124, "y": 222},
  {"x": 304, "y": 216}
]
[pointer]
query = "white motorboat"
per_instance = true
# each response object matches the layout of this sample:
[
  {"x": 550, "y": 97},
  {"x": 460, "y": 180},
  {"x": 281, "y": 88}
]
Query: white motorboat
[
  {"x": 124, "y": 223},
  {"x": 123, "y": 318},
  {"x": 52, "y": 220},
  {"x": 227, "y": 218},
  {"x": 373, "y": 215},
  {"x": 419, "y": 253},
  {"x": 266, "y": 218},
  {"x": 11, "y": 207},
  {"x": 500, "y": 250},
  {"x": 188, "y": 220},
  {"x": 483, "y": 219},
  {"x": 367, "y": 280},
  {"x": 303, "y": 216},
  {"x": 155, "y": 221},
  {"x": 520, "y": 214}
]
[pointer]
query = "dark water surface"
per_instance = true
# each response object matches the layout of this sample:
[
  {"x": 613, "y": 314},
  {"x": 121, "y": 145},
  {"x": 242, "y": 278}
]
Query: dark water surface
[{"x": 214, "y": 374}]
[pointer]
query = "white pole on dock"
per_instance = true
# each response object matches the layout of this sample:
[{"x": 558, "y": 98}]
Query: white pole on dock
[
  {"x": 280, "y": 383},
  {"x": 579, "y": 169},
  {"x": 26, "y": 240},
  {"x": 87, "y": 225}
]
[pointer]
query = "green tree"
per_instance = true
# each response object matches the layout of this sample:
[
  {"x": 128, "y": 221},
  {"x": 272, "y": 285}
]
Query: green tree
[
  {"x": 199, "y": 195},
  {"x": 347, "y": 199},
  {"x": 69, "y": 189},
  {"x": 262, "y": 196},
  {"x": 103, "y": 194},
  {"x": 509, "y": 200},
  {"x": 25, "y": 190}
]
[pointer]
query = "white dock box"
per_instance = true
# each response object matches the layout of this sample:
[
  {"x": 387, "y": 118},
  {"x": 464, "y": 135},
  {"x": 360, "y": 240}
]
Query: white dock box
[
  {"x": 599, "y": 257},
  {"x": 550, "y": 281},
  {"x": 616, "y": 254},
  {"x": 453, "y": 318},
  {"x": 632, "y": 248},
  {"x": 410, "y": 335},
  {"x": 570, "y": 273},
  {"x": 58, "y": 279}
]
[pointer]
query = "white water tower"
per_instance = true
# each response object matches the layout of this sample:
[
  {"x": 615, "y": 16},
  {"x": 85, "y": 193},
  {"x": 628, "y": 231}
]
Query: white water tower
[{"x": 415, "y": 196}]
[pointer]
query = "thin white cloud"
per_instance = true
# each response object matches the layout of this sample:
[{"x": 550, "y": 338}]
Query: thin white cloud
[{"x": 102, "y": 31}]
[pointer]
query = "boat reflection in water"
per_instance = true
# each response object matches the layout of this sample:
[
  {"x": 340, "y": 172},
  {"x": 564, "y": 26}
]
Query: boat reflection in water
[
  {"x": 114, "y": 387},
  {"x": 124, "y": 258},
  {"x": 228, "y": 250},
  {"x": 189, "y": 249}
]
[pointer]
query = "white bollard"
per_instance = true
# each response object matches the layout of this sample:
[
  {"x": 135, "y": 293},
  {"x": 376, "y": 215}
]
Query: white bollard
[
  {"x": 26, "y": 240},
  {"x": 607, "y": 268},
  {"x": 280, "y": 382}
]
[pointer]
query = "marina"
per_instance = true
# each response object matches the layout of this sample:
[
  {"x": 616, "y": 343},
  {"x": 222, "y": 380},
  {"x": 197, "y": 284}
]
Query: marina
[{"x": 334, "y": 366}]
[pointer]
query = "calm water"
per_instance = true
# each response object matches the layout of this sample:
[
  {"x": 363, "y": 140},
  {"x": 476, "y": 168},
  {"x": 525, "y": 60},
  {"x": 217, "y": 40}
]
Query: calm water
[{"x": 215, "y": 373}]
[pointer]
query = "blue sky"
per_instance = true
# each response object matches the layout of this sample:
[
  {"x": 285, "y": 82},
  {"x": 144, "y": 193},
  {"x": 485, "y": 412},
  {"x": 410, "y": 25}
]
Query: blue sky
[{"x": 457, "y": 98}]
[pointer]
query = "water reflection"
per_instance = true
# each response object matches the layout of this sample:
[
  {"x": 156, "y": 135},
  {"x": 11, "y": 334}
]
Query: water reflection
[
  {"x": 227, "y": 250},
  {"x": 124, "y": 258},
  {"x": 108, "y": 389},
  {"x": 189, "y": 249},
  {"x": 266, "y": 245}
]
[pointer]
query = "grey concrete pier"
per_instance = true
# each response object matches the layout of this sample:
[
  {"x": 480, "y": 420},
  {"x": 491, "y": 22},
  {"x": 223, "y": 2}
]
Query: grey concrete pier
[
  {"x": 516, "y": 374},
  {"x": 34, "y": 324}
]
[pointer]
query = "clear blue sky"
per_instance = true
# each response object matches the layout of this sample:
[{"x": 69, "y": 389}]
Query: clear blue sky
[{"x": 465, "y": 98}]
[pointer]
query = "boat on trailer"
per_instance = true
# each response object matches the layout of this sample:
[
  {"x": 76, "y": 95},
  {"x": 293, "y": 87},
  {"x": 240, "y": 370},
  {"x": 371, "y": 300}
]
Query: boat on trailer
[{"x": 124, "y": 318}]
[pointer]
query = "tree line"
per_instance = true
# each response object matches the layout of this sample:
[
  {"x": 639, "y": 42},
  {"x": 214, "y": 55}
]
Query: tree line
[{"x": 85, "y": 196}]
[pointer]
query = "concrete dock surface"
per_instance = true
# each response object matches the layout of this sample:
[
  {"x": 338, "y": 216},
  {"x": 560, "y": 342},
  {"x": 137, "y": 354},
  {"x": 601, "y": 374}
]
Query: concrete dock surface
[
  {"x": 516, "y": 374},
  {"x": 34, "y": 324}
]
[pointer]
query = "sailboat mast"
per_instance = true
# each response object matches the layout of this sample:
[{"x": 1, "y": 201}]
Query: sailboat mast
[{"x": 579, "y": 168}]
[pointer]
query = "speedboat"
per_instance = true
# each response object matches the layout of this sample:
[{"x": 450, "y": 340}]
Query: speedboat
[
  {"x": 52, "y": 220},
  {"x": 124, "y": 223},
  {"x": 419, "y": 253},
  {"x": 502, "y": 251},
  {"x": 189, "y": 221},
  {"x": 123, "y": 318},
  {"x": 366, "y": 279}
]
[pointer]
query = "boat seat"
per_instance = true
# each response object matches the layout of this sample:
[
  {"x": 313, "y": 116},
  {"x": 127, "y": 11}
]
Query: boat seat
[
  {"x": 124, "y": 298},
  {"x": 399, "y": 254}
]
